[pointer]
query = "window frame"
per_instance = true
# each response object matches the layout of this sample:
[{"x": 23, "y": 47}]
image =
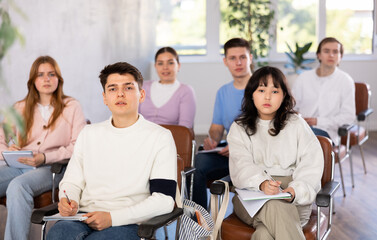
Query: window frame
[{"x": 213, "y": 19}]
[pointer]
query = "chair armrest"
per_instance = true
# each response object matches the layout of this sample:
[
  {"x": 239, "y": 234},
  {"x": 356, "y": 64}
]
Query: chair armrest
[
  {"x": 218, "y": 188},
  {"x": 344, "y": 129},
  {"x": 38, "y": 214},
  {"x": 364, "y": 114},
  {"x": 326, "y": 193},
  {"x": 189, "y": 170},
  {"x": 58, "y": 166},
  {"x": 147, "y": 228}
]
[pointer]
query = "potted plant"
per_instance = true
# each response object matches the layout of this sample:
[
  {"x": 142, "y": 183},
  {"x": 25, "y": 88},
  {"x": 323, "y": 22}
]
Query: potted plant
[
  {"x": 252, "y": 20},
  {"x": 9, "y": 118},
  {"x": 297, "y": 62},
  {"x": 296, "y": 58}
]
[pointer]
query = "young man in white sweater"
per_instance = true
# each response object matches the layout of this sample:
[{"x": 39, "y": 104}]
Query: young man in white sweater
[
  {"x": 123, "y": 170},
  {"x": 325, "y": 96}
]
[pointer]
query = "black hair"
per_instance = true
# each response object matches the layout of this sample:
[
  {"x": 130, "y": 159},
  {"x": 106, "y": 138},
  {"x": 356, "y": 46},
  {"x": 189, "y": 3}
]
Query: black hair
[
  {"x": 121, "y": 68},
  {"x": 236, "y": 42},
  {"x": 249, "y": 113}
]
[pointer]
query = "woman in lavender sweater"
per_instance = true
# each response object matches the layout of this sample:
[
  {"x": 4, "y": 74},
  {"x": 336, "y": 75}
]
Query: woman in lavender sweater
[{"x": 168, "y": 101}]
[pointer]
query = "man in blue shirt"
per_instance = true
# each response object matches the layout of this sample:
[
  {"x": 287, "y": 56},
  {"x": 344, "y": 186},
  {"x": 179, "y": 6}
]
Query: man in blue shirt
[{"x": 212, "y": 166}]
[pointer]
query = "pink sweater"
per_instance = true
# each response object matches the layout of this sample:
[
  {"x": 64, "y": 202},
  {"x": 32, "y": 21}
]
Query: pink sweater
[
  {"x": 56, "y": 144},
  {"x": 179, "y": 110}
]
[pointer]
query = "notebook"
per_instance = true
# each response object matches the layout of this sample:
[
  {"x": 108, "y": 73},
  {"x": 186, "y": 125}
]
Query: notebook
[{"x": 11, "y": 158}]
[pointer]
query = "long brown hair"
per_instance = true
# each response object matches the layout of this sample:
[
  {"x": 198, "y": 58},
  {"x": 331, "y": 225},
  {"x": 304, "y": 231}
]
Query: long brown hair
[{"x": 32, "y": 98}]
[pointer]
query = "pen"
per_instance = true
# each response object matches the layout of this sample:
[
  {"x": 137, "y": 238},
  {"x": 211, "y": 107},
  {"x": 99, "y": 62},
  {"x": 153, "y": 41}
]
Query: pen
[
  {"x": 270, "y": 177},
  {"x": 210, "y": 139},
  {"x": 69, "y": 201}
]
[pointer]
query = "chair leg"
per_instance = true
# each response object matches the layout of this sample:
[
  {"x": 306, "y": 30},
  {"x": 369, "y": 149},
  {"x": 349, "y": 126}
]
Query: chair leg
[
  {"x": 43, "y": 231},
  {"x": 177, "y": 228},
  {"x": 351, "y": 166},
  {"x": 341, "y": 179},
  {"x": 166, "y": 232},
  {"x": 362, "y": 158}
]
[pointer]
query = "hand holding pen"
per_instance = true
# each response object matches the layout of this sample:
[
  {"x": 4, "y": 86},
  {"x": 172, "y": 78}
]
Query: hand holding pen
[
  {"x": 273, "y": 184},
  {"x": 209, "y": 143},
  {"x": 67, "y": 207},
  {"x": 270, "y": 187}
]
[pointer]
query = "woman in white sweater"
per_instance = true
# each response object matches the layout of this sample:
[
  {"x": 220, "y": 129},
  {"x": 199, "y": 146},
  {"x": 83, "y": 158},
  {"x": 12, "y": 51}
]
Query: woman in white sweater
[{"x": 269, "y": 136}]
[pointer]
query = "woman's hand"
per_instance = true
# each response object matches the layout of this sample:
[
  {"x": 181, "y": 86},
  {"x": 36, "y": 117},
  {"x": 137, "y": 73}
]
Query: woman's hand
[
  {"x": 14, "y": 147},
  {"x": 35, "y": 161},
  {"x": 292, "y": 192},
  {"x": 67, "y": 209},
  {"x": 270, "y": 187}
]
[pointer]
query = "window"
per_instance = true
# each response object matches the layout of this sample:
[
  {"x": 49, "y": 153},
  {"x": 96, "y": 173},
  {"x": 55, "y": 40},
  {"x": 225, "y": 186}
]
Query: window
[
  {"x": 296, "y": 23},
  {"x": 197, "y": 27},
  {"x": 352, "y": 23},
  {"x": 182, "y": 25}
]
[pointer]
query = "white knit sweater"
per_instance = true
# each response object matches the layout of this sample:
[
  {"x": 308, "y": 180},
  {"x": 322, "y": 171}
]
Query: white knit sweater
[
  {"x": 295, "y": 152},
  {"x": 111, "y": 168}
]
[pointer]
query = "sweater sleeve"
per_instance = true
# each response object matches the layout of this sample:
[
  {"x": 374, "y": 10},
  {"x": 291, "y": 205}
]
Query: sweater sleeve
[
  {"x": 309, "y": 167},
  {"x": 76, "y": 121},
  {"x": 164, "y": 170},
  {"x": 73, "y": 181},
  {"x": 187, "y": 108},
  {"x": 243, "y": 171}
]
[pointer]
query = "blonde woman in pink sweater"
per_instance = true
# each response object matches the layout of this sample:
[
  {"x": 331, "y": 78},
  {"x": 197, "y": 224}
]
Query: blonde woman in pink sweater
[{"x": 52, "y": 124}]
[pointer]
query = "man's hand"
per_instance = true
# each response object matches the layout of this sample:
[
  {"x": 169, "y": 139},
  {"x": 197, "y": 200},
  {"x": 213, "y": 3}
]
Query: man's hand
[
  {"x": 66, "y": 209},
  {"x": 270, "y": 187},
  {"x": 225, "y": 151},
  {"x": 209, "y": 144},
  {"x": 98, "y": 220},
  {"x": 311, "y": 121},
  {"x": 35, "y": 161}
]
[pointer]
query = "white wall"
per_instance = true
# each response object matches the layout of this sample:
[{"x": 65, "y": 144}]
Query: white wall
[{"x": 83, "y": 37}]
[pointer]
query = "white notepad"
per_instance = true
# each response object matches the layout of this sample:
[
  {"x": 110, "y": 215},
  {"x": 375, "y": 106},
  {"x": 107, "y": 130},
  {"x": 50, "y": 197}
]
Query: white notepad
[
  {"x": 56, "y": 217},
  {"x": 254, "y": 200},
  {"x": 11, "y": 158}
]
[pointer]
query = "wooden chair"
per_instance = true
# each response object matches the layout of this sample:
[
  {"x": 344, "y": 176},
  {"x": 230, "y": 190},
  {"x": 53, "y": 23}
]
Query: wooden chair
[
  {"x": 185, "y": 151},
  {"x": 359, "y": 133},
  {"x": 319, "y": 225},
  {"x": 185, "y": 144}
]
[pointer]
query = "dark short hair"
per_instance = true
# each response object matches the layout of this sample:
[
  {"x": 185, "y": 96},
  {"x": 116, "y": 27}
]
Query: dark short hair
[
  {"x": 249, "y": 112},
  {"x": 164, "y": 50},
  {"x": 121, "y": 68},
  {"x": 327, "y": 40},
  {"x": 236, "y": 42}
]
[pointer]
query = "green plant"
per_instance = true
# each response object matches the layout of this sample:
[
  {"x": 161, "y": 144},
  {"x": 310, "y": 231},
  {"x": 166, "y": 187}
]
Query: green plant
[
  {"x": 9, "y": 118},
  {"x": 296, "y": 58},
  {"x": 252, "y": 19}
]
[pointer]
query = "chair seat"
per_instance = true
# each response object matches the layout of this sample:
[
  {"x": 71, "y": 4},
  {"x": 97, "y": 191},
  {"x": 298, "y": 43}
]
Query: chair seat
[
  {"x": 41, "y": 200},
  {"x": 233, "y": 228},
  {"x": 340, "y": 152},
  {"x": 354, "y": 132}
]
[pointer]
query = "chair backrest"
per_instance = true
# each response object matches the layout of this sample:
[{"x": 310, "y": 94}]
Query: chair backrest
[
  {"x": 328, "y": 155},
  {"x": 183, "y": 142},
  {"x": 362, "y": 96}
]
